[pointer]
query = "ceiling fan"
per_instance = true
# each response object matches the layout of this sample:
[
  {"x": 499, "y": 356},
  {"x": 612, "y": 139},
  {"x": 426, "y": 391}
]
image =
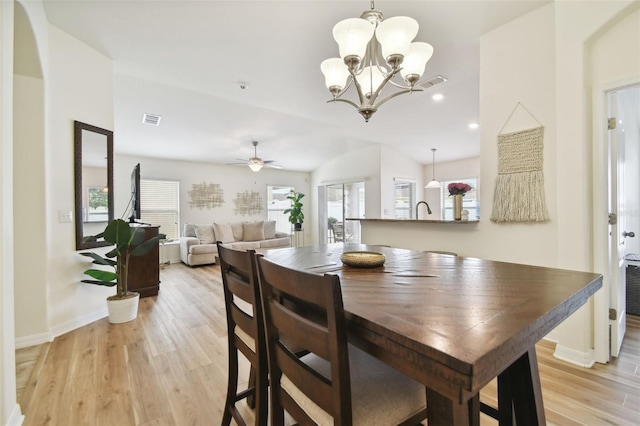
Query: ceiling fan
[{"x": 256, "y": 163}]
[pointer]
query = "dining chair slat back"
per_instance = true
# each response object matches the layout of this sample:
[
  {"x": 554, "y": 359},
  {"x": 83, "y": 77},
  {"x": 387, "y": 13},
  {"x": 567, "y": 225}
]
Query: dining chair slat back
[
  {"x": 335, "y": 383},
  {"x": 245, "y": 331}
]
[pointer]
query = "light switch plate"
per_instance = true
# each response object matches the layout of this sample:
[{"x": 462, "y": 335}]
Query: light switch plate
[{"x": 65, "y": 216}]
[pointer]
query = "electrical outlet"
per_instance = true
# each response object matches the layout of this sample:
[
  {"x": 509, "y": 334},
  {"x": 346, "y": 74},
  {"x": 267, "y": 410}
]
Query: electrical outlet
[{"x": 65, "y": 216}]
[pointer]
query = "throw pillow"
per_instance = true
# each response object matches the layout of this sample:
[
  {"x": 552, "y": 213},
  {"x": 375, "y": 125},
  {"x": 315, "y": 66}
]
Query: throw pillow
[
  {"x": 236, "y": 228},
  {"x": 269, "y": 229},
  {"x": 204, "y": 233},
  {"x": 223, "y": 232},
  {"x": 189, "y": 230},
  {"x": 253, "y": 231}
]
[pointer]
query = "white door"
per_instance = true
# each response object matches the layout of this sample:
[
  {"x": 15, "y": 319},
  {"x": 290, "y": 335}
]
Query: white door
[{"x": 623, "y": 202}]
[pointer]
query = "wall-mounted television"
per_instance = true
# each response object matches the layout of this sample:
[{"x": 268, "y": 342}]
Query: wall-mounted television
[{"x": 135, "y": 194}]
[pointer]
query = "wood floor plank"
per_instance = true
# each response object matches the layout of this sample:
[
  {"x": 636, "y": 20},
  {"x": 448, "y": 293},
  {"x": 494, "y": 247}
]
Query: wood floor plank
[
  {"x": 147, "y": 393},
  {"x": 169, "y": 368}
]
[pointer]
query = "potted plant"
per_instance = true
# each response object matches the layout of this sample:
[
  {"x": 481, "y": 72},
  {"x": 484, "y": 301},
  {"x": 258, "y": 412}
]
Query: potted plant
[
  {"x": 457, "y": 191},
  {"x": 295, "y": 211},
  {"x": 122, "y": 306}
]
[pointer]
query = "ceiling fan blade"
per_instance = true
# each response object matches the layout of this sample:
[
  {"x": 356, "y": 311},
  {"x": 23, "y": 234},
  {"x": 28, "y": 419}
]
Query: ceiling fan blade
[
  {"x": 268, "y": 161},
  {"x": 272, "y": 166}
]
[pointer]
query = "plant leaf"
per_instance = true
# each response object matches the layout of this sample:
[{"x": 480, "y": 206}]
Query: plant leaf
[
  {"x": 146, "y": 246},
  {"x": 99, "y": 260},
  {"x": 104, "y": 283},
  {"x": 102, "y": 275},
  {"x": 118, "y": 232}
]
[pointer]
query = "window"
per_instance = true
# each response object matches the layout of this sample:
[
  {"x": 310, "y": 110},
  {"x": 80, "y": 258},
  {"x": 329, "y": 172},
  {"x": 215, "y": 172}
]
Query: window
[
  {"x": 276, "y": 203},
  {"x": 160, "y": 203},
  {"x": 404, "y": 198},
  {"x": 469, "y": 201}
]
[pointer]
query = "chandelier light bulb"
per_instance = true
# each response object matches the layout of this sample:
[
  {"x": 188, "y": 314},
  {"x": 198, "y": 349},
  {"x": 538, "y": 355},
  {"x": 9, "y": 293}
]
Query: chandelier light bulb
[
  {"x": 335, "y": 73},
  {"x": 415, "y": 62},
  {"x": 352, "y": 36},
  {"x": 395, "y": 35}
]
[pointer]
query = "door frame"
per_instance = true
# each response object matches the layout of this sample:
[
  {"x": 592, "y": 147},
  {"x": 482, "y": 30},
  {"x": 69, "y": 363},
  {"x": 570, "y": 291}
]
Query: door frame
[{"x": 601, "y": 196}]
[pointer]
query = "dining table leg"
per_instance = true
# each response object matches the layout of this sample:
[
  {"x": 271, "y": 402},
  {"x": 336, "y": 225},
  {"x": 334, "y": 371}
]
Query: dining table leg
[
  {"x": 442, "y": 411},
  {"x": 520, "y": 392}
]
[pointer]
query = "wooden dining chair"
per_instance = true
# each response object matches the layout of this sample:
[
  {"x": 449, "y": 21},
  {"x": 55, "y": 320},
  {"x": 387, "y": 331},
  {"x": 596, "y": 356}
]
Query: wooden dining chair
[
  {"x": 335, "y": 383},
  {"x": 245, "y": 334}
]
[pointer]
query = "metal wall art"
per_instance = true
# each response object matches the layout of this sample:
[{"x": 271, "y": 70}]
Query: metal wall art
[
  {"x": 248, "y": 203},
  {"x": 206, "y": 196}
]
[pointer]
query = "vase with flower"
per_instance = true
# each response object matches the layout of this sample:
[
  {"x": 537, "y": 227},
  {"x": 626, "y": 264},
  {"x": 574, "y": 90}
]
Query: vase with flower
[{"x": 457, "y": 191}]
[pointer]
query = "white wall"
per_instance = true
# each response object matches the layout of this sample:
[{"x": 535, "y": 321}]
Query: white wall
[
  {"x": 363, "y": 164},
  {"x": 9, "y": 409},
  {"x": 29, "y": 221},
  {"x": 539, "y": 60},
  {"x": 233, "y": 180},
  {"x": 607, "y": 67},
  {"x": 396, "y": 165},
  {"x": 447, "y": 171}
]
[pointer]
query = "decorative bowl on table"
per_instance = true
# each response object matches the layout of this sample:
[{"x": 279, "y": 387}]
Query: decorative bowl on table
[{"x": 362, "y": 259}]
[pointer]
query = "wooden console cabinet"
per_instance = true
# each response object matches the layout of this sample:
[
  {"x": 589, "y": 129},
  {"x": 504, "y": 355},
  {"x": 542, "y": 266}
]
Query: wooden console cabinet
[{"x": 144, "y": 271}]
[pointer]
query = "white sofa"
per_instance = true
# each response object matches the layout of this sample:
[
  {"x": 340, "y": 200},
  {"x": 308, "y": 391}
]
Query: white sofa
[{"x": 198, "y": 241}]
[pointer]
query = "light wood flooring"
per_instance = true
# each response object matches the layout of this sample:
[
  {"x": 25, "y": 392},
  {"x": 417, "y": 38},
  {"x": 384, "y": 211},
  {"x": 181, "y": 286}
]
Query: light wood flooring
[{"x": 168, "y": 367}]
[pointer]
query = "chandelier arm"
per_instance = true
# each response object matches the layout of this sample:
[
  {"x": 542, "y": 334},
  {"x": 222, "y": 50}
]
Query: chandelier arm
[
  {"x": 355, "y": 105},
  {"x": 358, "y": 87},
  {"x": 394, "y": 95},
  {"x": 384, "y": 83},
  {"x": 400, "y": 86},
  {"x": 345, "y": 88}
]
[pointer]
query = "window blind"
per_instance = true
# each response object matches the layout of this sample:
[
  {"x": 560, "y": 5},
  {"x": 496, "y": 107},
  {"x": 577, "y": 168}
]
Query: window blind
[{"x": 160, "y": 203}]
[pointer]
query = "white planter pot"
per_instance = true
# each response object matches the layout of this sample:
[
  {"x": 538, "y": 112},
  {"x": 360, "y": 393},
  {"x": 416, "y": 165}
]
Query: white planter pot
[{"x": 123, "y": 310}]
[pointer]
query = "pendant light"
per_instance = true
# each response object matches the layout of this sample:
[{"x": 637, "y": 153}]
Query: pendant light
[{"x": 434, "y": 184}]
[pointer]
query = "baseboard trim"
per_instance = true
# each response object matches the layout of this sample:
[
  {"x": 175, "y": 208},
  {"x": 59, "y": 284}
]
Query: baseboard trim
[
  {"x": 68, "y": 326},
  {"x": 58, "y": 330},
  {"x": 33, "y": 340},
  {"x": 582, "y": 359},
  {"x": 16, "y": 418}
]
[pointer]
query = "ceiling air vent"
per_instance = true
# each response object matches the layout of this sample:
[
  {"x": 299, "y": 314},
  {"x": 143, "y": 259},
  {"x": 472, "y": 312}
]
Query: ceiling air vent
[
  {"x": 433, "y": 81},
  {"x": 151, "y": 119}
]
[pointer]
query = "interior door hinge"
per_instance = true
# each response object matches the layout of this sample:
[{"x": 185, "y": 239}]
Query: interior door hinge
[
  {"x": 611, "y": 123},
  {"x": 613, "y": 219},
  {"x": 613, "y": 314}
]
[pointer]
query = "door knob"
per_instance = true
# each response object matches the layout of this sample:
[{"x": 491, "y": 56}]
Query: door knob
[{"x": 628, "y": 234}]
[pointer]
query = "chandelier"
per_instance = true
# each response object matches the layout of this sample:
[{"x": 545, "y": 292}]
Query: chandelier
[{"x": 372, "y": 52}]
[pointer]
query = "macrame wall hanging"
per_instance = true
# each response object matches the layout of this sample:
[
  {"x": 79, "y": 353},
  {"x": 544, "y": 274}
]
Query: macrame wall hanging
[{"x": 519, "y": 192}]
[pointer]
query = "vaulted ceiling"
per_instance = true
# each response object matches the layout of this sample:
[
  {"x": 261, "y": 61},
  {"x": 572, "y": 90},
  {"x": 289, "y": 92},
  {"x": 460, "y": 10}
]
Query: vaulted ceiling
[{"x": 187, "y": 60}]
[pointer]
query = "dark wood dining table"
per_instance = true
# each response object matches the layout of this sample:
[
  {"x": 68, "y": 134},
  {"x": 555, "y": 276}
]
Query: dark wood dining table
[{"x": 453, "y": 323}]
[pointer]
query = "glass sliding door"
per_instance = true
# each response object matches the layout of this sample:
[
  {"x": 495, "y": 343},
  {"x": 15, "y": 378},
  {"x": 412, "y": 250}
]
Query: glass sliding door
[{"x": 343, "y": 200}]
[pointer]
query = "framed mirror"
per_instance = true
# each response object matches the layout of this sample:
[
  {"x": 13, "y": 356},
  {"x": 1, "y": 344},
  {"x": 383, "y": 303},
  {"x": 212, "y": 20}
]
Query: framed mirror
[{"x": 93, "y": 183}]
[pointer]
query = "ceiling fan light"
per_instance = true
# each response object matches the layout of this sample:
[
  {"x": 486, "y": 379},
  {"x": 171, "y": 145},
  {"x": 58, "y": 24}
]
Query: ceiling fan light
[
  {"x": 395, "y": 34},
  {"x": 335, "y": 73},
  {"x": 255, "y": 167},
  {"x": 352, "y": 36},
  {"x": 416, "y": 59}
]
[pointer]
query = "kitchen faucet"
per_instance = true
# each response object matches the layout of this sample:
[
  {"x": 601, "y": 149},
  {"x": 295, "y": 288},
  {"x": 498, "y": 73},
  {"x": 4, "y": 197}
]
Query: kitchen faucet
[{"x": 425, "y": 203}]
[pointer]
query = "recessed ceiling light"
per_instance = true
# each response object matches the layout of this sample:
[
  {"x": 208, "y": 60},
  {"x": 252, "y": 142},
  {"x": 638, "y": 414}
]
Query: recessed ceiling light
[
  {"x": 437, "y": 97},
  {"x": 473, "y": 125}
]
